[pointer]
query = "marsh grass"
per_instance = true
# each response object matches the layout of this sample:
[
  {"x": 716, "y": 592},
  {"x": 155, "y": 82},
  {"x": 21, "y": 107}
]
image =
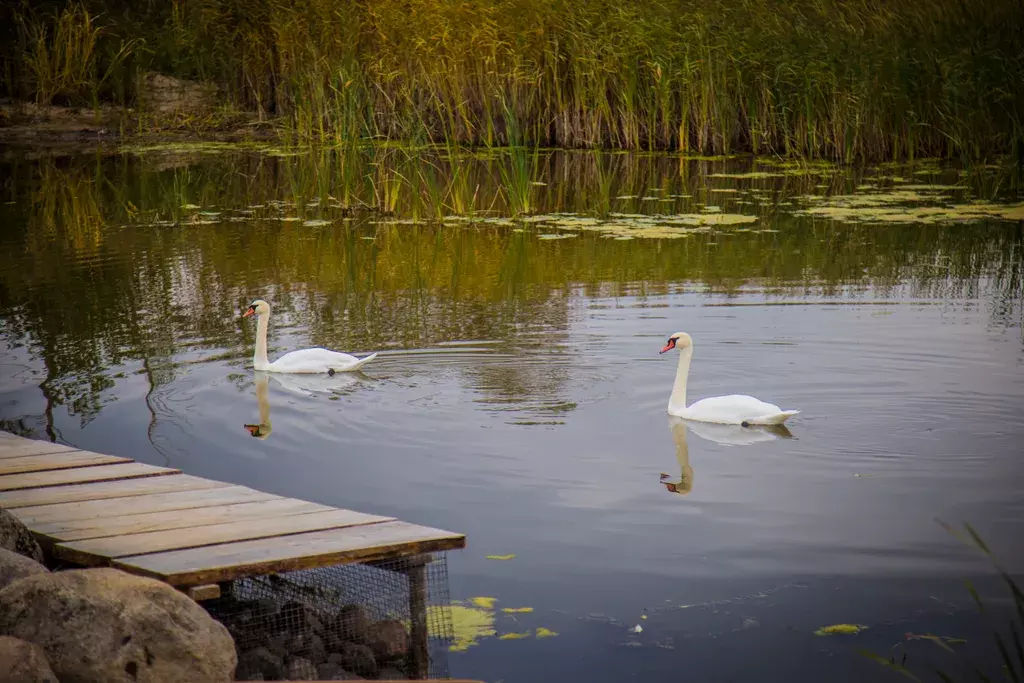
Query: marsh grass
[
  {"x": 62, "y": 60},
  {"x": 839, "y": 79}
]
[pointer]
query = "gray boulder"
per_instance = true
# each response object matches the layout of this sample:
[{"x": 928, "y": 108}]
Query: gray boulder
[
  {"x": 15, "y": 536},
  {"x": 23, "y": 662},
  {"x": 14, "y": 566},
  {"x": 105, "y": 626}
]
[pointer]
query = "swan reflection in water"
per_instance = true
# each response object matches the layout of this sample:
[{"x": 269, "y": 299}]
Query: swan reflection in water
[
  {"x": 304, "y": 385},
  {"x": 727, "y": 435}
]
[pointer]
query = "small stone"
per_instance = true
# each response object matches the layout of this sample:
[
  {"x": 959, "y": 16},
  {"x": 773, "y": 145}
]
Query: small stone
[
  {"x": 23, "y": 662},
  {"x": 388, "y": 639},
  {"x": 359, "y": 659},
  {"x": 334, "y": 672},
  {"x": 259, "y": 661},
  {"x": 351, "y": 624},
  {"x": 14, "y": 566},
  {"x": 301, "y": 669},
  {"x": 307, "y": 645}
]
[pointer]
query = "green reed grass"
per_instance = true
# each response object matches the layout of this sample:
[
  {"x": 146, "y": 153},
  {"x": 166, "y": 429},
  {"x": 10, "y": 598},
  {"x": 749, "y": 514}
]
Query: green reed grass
[
  {"x": 1009, "y": 640},
  {"x": 842, "y": 79}
]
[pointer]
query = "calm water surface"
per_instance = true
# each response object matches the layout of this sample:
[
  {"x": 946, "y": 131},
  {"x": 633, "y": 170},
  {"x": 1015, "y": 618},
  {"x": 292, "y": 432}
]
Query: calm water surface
[{"x": 520, "y": 398}]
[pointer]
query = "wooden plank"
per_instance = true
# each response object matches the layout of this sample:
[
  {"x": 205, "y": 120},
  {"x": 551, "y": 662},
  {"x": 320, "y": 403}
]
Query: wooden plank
[
  {"x": 56, "y": 461},
  {"x": 193, "y": 493},
  {"x": 230, "y": 561},
  {"x": 98, "y": 551},
  {"x": 16, "y": 447},
  {"x": 206, "y": 511},
  {"x": 207, "y": 591},
  {"x": 82, "y": 475},
  {"x": 107, "y": 489}
]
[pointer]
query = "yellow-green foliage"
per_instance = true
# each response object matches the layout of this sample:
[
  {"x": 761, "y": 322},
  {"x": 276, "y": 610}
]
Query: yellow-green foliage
[{"x": 825, "y": 78}]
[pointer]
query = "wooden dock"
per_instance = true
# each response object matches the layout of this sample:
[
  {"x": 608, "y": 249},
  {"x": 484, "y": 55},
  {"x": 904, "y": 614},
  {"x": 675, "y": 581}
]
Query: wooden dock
[{"x": 90, "y": 509}]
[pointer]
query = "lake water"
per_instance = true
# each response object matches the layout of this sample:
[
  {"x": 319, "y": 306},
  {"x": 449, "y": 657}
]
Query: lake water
[{"x": 520, "y": 398}]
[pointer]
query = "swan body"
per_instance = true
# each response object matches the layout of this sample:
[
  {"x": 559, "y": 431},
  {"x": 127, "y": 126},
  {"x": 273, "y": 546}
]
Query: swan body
[
  {"x": 306, "y": 361},
  {"x": 734, "y": 409}
]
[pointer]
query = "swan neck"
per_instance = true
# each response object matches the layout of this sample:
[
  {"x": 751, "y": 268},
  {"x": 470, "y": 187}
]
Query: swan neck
[
  {"x": 259, "y": 359},
  {"x": 678, "y": 399}
]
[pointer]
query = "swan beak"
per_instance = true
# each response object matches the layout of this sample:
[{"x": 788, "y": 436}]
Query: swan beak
[
  {"x": 668, "y": 347},
  {"x": 249, "y": 312}
]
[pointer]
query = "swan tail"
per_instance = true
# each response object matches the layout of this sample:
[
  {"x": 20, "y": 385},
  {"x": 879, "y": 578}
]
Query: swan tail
[
  {"x": 358, "y": 364},
  {"x": 777, "y": 418}
]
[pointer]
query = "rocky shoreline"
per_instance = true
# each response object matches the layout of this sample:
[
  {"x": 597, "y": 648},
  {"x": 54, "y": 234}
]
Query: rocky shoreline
[{"x": 106, "y": 626}]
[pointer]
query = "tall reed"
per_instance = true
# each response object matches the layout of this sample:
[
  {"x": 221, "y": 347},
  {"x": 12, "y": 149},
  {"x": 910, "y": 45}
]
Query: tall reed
[{"x": 842, "y": 79}]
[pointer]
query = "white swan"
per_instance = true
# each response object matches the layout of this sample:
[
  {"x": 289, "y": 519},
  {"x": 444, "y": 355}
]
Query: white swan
[
  {"x": 304, "y": 361},
  {"x": 734, "y": 409}
]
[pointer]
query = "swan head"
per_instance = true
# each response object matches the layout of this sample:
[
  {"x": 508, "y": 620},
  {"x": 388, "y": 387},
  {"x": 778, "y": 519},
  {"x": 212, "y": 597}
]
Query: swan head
[
  {"x": 258, "y": 307},
  {"x": 680, "y": 339}
]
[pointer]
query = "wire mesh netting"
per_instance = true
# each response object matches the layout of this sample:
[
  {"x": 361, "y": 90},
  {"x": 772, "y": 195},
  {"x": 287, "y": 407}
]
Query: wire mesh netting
[{"x": 388, "y": 620}]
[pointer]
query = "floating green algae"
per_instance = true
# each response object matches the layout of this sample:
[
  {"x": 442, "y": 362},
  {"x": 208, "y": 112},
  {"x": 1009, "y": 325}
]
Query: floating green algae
[
  {"x": 484, "y": 602},
  {"x": 516, "y": 610},
  {"x": 514, "y": 636},
  {"x": 840, "y": 629},
  {"x": 469, "y": 625},
  {"x": 908, "y": 204},
  {"x": 630, "y": 226},
  {"x": 501, "y": 557},
  {"x": 545, "y": 632},
  {"x": 751, "y": 175}
]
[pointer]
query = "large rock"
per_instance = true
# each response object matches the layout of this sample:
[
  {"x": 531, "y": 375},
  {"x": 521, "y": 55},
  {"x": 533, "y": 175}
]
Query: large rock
[
  {"x": 15, "y": 536},
  {"x": 105, "y": 626},
  {"x": 14, "y": 566},
  {"x": 23, "y": 662}
]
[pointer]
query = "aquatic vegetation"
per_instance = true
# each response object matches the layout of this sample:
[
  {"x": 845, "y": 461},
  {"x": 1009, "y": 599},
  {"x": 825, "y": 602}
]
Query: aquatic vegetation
[
  {"x": 840, "y": 629},
  {"x": 629, "y": 226},
  {"x": 484, "y": 602},
  {"x": 908, "y": 204},
  {"x": 469, "y": 625},
  {"x": 516, "y": 610},
  {"x": 1009, "y": 645},
  {"x": 501, "y": 557},
  {"x": 708, "y": 79},
  {"x": 515, "y": 636},
  {"x": 545, "y": 632}
]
